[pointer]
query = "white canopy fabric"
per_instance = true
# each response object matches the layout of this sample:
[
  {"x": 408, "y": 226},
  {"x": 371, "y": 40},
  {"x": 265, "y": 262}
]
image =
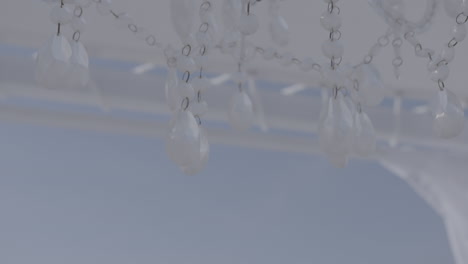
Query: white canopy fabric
[{"x": 441, "y": 179}]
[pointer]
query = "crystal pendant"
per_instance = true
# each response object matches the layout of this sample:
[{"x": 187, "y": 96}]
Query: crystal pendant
[
  {"x": 78, "y": 74},
  {"x": 173, "y": 96},
  {"x": 183, "y": 15},
  {"x": 199, "y": 163},
  {"x": 241, "y": 114},
  {"x": 52, "y": 62},
  {"x": 336, "y": 128},
  {"x": 183, "y": 142},
  {"x": 370, "y": 88},
  {"x": 279, "y": 31},
  {"x": 449, "y": 118},
  {"x": 364, "y": 141}
]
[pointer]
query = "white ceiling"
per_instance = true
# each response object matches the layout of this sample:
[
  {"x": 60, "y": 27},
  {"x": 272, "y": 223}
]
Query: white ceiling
[{"x": 26, "y": 23}]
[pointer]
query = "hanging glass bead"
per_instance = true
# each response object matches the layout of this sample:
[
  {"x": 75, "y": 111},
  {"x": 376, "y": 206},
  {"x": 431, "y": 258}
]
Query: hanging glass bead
[
  {"x": 78, "y": 74},
  {"x": 332, "y": 49},
  {"x": 330, "y": 21},
  {"x": 441, "y": 73},
  {"x": 449, "y": 118},
  {"x": 459, "y": 32},
  {"x": 336, "y": 128},
  {"x": 241, "y": 114},
  {"x": 183, "y": 142},
  {"x": 52, "y": 62},
  {"x": 197, "y": 165}
]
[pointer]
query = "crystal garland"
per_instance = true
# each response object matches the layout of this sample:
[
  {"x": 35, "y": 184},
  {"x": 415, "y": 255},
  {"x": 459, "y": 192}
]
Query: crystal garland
[{"x": 344, "y": 127}]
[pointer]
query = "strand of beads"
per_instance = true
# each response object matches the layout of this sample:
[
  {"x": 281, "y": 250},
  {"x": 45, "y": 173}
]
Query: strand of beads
[
  {"x": 78, "y": 75},
  {"x": 186, "y": 142},
  {"x": 344, "y": 127},
  {"x": 54, "y": 57},
  {"x": 241, "y": 109},
  {"x": 125, "y": 21},
  {"x": 336, "y": 118},
  {"x": 446, "y": 108},
  {"x": 205, "y": 38}
]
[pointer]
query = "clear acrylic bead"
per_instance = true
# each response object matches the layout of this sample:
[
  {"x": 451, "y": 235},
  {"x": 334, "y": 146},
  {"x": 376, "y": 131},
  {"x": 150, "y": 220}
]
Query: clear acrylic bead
[
  {"x": 78, "y": 24},
  {"x": 459, "y": 32},
  {"x": 78, "y": 74},
  {"x": 52, "y": 63},
  {"x": 330, "y": 21},
  {"x": 198, "y": 164},
  {"x": 449, "y": 117},
  {"x": 332, "y": 49},
  {"x": 336, "y": 128},
  {"x": 441, "y": 73},
  {"x": 183, "y": 142}
]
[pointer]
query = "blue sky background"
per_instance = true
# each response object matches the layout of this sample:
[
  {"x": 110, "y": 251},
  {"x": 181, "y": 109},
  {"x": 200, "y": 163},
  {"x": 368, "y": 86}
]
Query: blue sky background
[{"x": 76, "y": 197}]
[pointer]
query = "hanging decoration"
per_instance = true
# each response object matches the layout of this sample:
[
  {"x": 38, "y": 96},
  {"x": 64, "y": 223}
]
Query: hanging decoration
[{"x": 345, "y": 129}]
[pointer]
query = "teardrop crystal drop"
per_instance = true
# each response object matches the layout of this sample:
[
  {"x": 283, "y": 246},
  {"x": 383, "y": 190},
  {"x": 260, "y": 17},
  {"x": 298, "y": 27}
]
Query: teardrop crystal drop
[
  {"x": 183, "y": 142},
  {"x": 449, "y": 117}
]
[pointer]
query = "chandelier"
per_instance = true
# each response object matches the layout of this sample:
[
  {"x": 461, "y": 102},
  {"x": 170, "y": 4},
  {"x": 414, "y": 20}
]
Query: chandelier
[{"x": 344, "y": 127}]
